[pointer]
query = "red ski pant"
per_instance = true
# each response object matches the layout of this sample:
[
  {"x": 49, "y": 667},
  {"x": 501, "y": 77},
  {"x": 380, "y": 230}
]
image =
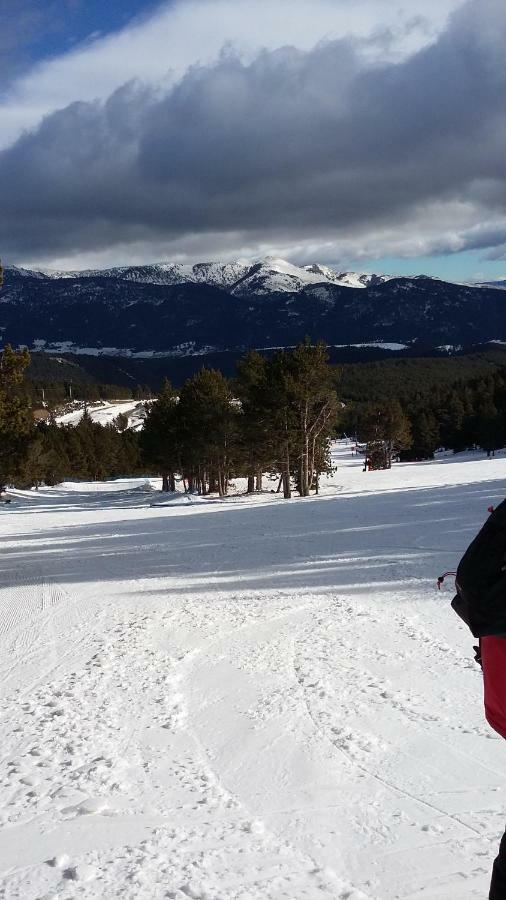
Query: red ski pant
[{"x": 493, "y": 658}]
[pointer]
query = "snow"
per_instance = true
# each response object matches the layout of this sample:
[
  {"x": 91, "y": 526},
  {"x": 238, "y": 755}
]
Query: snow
[
  {"x": 188, "y": 348},
  {"x": 246, "y": 699},
  {"x": 358, "y": 279},
  {"x": 219, "y": 274},
  {"x": 379, "y": 345},
  {"x": 261, "y": 275},
  {"x": 272, "y": 274},
  {"x": 28, "y": 273},
  {"x": 105, "y": 412}
]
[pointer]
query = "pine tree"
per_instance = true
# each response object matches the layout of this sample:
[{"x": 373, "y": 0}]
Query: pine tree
[
  {"x": 33, "y": 467},
  {"x": 425, "y": 433},
  {"x": 121, "y": 422},
  {"x": 386, "y": 431},
  {"x": 160, "y": 437},
  {"x": 282, "y": 420},
  {"x": 300, "y": 409},
  {"x": 208, "y": 423},
  {"x": 106, "y": 447},
  {"x": 487, "y": 422},
  {"x": 311, "y": 393},
  {"x": 129, "y": 454},
  {"x": 254, "y": 445},
  {"x": 16, "y": 421}
]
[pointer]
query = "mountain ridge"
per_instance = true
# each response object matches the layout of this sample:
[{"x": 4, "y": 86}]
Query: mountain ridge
[
  {"x": 269, "y": 274},
  {"x": 133, "y": 311}
]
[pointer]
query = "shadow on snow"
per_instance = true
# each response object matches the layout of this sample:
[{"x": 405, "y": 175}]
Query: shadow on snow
[{"x": 396, "y": 541}]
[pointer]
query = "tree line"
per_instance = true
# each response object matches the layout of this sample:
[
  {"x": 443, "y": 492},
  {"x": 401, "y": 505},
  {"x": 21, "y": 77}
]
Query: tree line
[
  {"x": 459, "y": 417},
  {"x": 409, "y": 377},
  {"x": 464, "y": 416},
  {"x": 277, "y": 416},
  {"x": 32, "y": 454},
  {"x": 87, "y": 451}
]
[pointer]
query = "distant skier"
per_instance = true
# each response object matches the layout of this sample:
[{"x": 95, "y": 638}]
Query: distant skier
[{"x": 481, "y": 603}]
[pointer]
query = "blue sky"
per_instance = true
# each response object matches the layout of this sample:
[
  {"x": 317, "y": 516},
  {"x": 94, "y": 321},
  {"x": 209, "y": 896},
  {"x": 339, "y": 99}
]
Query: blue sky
[
  {"x": 81, "y": 18},
  {"x": 317, "y": 130},
  {"x": 464, "y": 266},
  {"x": 38, "y": 30}
]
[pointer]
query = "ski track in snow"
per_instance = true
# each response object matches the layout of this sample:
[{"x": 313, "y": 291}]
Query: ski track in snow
[{"x": 246, "y": 699}]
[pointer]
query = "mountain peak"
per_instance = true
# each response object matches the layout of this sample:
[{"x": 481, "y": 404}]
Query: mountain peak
[
  {"x": 184, "y": 310},
  {"x": 265, "y": 275}
]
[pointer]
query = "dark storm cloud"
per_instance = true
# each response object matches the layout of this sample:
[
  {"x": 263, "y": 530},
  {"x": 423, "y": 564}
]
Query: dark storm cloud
[{"x": 292, "y": 144}]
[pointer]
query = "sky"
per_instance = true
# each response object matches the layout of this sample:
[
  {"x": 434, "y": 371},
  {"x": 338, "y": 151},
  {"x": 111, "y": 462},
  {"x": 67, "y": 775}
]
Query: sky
[{"x": 362, "y": 134}]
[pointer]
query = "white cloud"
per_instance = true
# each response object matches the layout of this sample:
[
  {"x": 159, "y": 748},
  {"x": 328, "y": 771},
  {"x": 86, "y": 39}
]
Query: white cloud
[
  {"x": 191, "y": 31},
  {"x": 435, "y": 229},
  {"x": 313, "y": 156}
]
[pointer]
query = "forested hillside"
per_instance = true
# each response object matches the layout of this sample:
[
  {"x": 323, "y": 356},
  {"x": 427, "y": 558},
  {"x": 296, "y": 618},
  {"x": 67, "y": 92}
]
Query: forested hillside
[
  {"x": 363, "y": 373},
  {"x": 107, "y": 313},
  {"x": 277, "y": 415}
]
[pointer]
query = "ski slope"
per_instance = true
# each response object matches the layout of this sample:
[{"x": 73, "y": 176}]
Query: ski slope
[
  {"x": 247, "y": 699},
  {"x": 105, "y": 412}
]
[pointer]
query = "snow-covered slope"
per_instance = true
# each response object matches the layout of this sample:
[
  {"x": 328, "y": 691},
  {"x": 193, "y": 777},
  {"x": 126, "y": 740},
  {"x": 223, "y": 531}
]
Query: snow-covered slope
[
  {"x": 218, "y": 274},
  {"x": 278, "y": 275},
  {"x": 105, "y": 412},
  {"x": 263, "y": 276},
  {"x": 347, "y": 279},
  {"x": 248, "y": 699},
  {"x": 275, "y": 275}
]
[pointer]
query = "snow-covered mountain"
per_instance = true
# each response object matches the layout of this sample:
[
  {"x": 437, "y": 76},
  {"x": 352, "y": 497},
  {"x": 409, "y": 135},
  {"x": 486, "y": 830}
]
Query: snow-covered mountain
[
  {"x": 175, "y": 310},
  {"x": 274, "y": 275},
  {"x": 239, "y": 278},
  {"x": 347, "y": 279},
  {"x": 223, "y": 275}
]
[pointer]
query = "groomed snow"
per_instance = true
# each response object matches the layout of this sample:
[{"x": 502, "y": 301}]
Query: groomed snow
[
  {"x": 248, "y": 699},
  {"x": 105, "y": 413}
]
